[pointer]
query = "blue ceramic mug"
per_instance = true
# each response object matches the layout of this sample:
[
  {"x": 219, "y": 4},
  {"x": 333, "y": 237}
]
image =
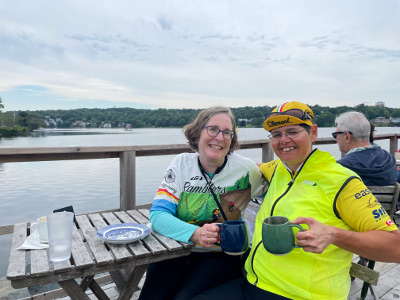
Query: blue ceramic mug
[{"x": 234, "y": 238}]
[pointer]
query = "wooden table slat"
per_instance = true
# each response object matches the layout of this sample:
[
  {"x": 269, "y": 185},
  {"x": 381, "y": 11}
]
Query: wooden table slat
[
  {"x": 142, "y": 215},
  {"x": 39, "y": 262},
  {"x": 62, "y": 266},
  {"x": 81, "y": 256},
  {"x": 138, "y": 249},
  {"x": 145, "y": 212},
  {"x": 111, "y": 218},
  {"x": 99, "y": 250},
  {"x": 17, "y": 263},
  {"x": 97, "y": 221},
  {"x": 138, "y": 217}
]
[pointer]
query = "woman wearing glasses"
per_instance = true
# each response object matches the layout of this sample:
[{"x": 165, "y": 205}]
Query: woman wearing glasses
[
  {"x": 339, "y": 214},
  {"x": 199, "y": 189}
]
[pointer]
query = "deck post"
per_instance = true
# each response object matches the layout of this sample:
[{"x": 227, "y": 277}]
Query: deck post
[
  {"x": 394, "y": 144},
  {"x": 267, "y": 153},
  {"x": 127, "y": 174}
]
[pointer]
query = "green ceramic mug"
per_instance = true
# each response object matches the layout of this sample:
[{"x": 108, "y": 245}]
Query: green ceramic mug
[{"x": 277, "y": 235}]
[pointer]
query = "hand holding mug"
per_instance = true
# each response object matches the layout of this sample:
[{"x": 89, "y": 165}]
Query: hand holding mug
[
  {"x": 206, "y": 236},
  {"x": 317, "y": 238}
]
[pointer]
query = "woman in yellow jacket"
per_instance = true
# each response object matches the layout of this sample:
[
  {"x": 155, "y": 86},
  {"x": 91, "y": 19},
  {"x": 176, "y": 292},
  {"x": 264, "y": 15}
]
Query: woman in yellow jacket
[{"x": 340, "y": 214}]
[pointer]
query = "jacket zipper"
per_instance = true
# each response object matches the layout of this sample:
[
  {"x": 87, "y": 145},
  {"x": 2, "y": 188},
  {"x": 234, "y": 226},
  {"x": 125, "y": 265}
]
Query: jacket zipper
[
  {"x": 280, "y": 197},
  {"x": 272, "y": 211},
  {"x": 252, "y": 262}
]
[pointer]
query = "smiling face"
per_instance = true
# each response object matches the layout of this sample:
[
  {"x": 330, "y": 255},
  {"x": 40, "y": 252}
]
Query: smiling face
[
  {"x": 294, "y": 151},
  {"x": 212, "y": 150}
]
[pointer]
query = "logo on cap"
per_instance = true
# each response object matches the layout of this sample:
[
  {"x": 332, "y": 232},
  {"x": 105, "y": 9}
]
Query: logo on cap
[{"x": 280, "y": 123}]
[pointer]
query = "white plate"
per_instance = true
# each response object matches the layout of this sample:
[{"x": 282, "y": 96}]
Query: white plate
[{"x": 124, "y": 233}]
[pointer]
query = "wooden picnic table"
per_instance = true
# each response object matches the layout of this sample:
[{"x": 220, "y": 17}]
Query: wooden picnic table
[{"x": 90, "y": 256}]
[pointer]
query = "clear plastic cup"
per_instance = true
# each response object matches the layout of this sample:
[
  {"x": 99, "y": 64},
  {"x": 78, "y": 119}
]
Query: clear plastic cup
[{"x": 59, "y": 226}]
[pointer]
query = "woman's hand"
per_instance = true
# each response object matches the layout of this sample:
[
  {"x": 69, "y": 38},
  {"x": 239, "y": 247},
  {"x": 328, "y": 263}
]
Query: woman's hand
[
  {"x": 317, "y": 238},
  {"x": 206, "y": 236}
]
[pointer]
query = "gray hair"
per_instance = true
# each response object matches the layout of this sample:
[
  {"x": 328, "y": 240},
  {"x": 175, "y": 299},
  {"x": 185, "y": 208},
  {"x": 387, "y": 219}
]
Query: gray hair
[
  {"x": 356, "y": 123},
  {"x": 193, "y": 130}
]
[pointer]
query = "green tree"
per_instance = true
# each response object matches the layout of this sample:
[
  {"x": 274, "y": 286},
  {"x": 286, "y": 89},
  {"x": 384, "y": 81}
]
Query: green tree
[
  {"x": 8, "y": 119},
  {"x": 30, "y": 121},
  {"x": 325, "y": 119},
  {"x": 1, "y": 104}
]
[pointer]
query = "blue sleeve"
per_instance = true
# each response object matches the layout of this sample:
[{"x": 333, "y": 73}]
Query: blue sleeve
[{"x": 170, "y": 226}]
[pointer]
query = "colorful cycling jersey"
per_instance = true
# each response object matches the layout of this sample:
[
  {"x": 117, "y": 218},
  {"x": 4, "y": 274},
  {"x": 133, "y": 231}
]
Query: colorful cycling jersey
[{"x": 186, "y": 192}]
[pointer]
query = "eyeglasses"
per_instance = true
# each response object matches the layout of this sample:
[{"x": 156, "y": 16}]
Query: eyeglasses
[
  {"x": 297, "y": 113},
  {"x": 213, "y": 131},
  {"x": 290, "y": 134},
  {"x": 335, "y": 134}
]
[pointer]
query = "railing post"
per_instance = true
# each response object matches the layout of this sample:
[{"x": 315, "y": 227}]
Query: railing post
[
  {"x": 127, "y": 174},
  {"x": 394, "y": 144},
  {"x": 267, "y": 152}
]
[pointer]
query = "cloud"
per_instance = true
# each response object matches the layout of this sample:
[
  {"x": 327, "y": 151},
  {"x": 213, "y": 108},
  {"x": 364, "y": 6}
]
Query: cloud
[
  {"x": 180, "y": 54},
  {"x": 165, "y": 22}
]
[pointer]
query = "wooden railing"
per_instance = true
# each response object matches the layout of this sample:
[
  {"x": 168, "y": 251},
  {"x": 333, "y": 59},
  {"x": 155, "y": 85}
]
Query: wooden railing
[{"x": 127, "y": 157}]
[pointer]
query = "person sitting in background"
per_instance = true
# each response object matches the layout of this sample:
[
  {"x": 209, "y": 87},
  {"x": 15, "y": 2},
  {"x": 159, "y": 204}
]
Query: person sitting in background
[
  {"x": 372, "y": 133},
  {"x": 398, "y": 171},
  {"x": 199, "y": 189},
  {"x": 308, "y": 187},
  {"x": 374, "y": 165},
  {"x": 398, "y": 180}
]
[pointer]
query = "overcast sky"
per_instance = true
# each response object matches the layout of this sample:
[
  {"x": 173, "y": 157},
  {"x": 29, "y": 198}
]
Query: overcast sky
[{"x": 194, "y": 54}]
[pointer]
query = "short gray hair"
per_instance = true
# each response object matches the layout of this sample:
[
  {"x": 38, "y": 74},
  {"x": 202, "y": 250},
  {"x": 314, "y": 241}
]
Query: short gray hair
[{"x": 356, "y": 123}]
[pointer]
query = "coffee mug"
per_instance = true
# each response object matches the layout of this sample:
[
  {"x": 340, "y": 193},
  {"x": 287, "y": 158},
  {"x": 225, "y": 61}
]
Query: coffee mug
[
  {"x": 234, "y": 238},
  {"x": 277, "y": 235},
  {"x": 41, "y": 226}
]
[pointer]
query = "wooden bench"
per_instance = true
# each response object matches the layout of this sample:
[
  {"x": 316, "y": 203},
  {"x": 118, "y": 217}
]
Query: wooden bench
[
  {"x": 364, "y": 269},
  {"x": 387, "y": 196}
]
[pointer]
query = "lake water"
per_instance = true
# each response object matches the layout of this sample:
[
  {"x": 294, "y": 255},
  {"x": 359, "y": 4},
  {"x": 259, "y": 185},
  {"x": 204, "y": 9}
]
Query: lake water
[{"x": 33, "y": 189}]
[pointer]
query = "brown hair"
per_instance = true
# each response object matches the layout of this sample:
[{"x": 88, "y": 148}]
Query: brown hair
[{"x": 193, "y": 130}]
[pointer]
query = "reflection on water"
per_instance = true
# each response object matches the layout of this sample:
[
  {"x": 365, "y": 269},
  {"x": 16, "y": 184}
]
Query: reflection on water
[
  {"x": 77, "y": 131},
  {"x": 33, "y": 189}
]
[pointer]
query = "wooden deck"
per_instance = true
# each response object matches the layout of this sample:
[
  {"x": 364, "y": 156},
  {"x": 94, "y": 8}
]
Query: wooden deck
[{"x": 388, "y": 287}]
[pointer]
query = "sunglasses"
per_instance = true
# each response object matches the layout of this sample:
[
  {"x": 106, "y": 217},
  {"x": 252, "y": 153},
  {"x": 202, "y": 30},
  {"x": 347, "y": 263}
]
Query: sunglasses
[
  {"x": 295, "y": 112},
  {"x": 335, "y": 134}
]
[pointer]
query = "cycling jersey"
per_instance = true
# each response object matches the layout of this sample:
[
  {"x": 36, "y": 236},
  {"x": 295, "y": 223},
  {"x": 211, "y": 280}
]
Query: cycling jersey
[
  {"x": 187, "y": 191},
  {"x": 329, "y": 193}
]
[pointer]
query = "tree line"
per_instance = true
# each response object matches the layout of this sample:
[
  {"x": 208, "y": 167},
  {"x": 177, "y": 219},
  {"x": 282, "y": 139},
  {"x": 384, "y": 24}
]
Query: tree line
[{"x": 139, "y": 118}]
